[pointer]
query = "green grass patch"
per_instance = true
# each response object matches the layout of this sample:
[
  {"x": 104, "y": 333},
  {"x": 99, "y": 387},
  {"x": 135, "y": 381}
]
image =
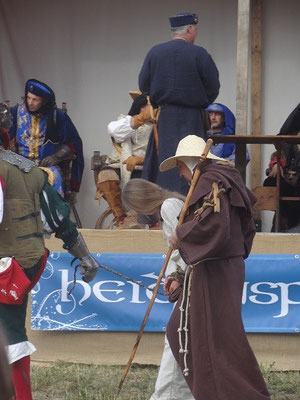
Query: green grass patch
[
  {"x": 68, "y": 381},
  {"x": 283, "y": 385}
]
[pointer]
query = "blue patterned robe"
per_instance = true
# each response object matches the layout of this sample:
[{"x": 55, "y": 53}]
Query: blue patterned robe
[{"x": 33, "y": 141}]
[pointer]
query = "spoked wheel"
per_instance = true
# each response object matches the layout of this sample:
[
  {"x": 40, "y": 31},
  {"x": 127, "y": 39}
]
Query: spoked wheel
[
  {"x": 104, "y": 221},
  {"x": 107, "y": 221}
]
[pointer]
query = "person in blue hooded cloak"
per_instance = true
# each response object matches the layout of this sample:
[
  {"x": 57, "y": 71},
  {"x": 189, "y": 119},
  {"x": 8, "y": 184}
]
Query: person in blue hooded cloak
[{"x": 222, "y": 122}]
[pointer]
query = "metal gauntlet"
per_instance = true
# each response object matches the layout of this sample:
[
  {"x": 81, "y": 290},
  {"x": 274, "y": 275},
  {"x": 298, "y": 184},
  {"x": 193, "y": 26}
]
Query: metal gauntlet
[
  {"x": 88, "y": 264},
  {"x": 63, "y": 153}
]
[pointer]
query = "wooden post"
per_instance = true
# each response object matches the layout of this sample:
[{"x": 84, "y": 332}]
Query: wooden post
[
  {"x": 256, "y": 92},
  {"x": 256, "y": 24},
  {"x": 243, "y": 27}
]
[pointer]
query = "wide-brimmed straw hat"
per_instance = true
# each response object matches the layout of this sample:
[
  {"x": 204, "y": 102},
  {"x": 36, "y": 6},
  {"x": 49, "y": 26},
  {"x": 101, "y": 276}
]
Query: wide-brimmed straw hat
[{"x": 191, "y": 146}]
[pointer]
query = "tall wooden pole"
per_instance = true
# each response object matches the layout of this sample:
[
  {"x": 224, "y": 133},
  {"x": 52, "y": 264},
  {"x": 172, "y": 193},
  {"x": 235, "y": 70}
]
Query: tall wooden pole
[
  {"x": 256, "y": 87},
  {"x": 256, "y": 91},
  {"x": 243, "y": 28}
]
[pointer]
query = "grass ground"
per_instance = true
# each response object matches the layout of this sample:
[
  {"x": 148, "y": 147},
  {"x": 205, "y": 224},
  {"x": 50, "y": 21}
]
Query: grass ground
[{"x": 66, "y": 381}]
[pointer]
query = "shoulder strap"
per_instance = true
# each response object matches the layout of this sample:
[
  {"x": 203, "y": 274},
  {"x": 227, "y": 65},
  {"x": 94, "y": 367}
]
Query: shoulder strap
[{"x": 24, "y": 164}]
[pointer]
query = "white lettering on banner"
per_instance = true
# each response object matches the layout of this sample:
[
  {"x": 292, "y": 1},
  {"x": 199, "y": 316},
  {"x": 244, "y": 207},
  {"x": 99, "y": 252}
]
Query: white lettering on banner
[
  {"x": 263, "y": 293},
  {"x": 282, "y": 296},
  {"x": 285, "y": 301},
  {"x": 135, "y": 293},
  {"x": 149, "y": 292},
  {"x": 65, "y": 284},
  {"x": 98, "y": 291},
  {"x": 244, "y": 296},
  {"x": 254, "y": 289}
]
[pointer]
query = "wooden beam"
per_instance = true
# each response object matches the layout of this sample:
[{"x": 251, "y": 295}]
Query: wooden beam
[
  {"x": 256, "y": 24},
  {"x": 242, "y": 66}
]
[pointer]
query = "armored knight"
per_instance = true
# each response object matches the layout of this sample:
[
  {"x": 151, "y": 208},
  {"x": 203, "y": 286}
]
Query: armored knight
[{"x": 29, "y": 208}]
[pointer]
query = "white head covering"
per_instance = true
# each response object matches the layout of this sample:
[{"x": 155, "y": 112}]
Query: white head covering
[{"x": 191, "y": 162}]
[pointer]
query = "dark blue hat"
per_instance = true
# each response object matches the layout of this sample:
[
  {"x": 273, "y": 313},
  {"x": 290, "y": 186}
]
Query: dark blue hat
[
  {"x": 42, "y": 90},
  {"x": 215, "y": 107},
  {"x": 38, "y": 88},
  {"x": 183, "y": 19}
]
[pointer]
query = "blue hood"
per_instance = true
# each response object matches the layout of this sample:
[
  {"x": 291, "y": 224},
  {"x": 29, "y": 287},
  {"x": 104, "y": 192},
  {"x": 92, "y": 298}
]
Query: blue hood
[{"x": 228, "y": 115}]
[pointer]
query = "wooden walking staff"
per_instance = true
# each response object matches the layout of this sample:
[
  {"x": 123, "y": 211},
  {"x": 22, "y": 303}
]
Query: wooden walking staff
[{"x": 181, "y": 218}]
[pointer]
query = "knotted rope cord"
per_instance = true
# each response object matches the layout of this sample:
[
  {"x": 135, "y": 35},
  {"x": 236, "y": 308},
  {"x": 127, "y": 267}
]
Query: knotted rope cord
[
  {"x": 186, "y": 351},
  {"x": 184, "y": 315},
  {"x": 212, "y": 199},
  {"x": 181, "y": 309}
]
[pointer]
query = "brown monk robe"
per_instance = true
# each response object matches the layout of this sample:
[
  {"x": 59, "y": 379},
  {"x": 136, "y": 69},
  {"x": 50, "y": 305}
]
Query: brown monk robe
[{"x": 220, "y": 362}]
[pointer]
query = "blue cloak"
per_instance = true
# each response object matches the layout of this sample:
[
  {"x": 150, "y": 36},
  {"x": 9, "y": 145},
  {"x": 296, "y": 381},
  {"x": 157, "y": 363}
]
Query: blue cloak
[{"x": 62, "y": 131}]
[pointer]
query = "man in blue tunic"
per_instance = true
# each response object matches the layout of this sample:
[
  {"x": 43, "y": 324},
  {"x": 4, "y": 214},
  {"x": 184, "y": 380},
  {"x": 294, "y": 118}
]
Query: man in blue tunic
[
  {"x": 183, "y": 80},
  {"x": 47, "y": 136}
]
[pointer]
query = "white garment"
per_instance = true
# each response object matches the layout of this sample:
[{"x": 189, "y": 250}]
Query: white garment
[
  {"x": 133, "y": 142},
  {"x": 120, "y": 130},
  {"x": 169, "y": 212},
  {"x": 19, "y": 350},
  {"x": 5, "y": 263},
  {"x": 170, "y": 383}
]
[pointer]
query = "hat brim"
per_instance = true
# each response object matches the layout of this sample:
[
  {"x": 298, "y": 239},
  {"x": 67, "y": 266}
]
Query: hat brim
[{"x": 170, "y": 163}]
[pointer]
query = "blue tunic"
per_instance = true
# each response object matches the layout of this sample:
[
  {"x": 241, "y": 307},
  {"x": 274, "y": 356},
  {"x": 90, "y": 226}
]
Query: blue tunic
[
  {"x": 64, "y": 133},
  {"x": 183, "y": 79}
]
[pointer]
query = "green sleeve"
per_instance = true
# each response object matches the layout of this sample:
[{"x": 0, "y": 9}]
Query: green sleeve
[{"x": 57, "y": 213}]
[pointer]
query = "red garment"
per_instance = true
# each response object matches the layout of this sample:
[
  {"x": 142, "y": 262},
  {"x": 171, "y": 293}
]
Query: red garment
[
  {"x": 21, "y": 379},
  {"x": 274, "y": 160},
  {"x": 14, "y": 284}
]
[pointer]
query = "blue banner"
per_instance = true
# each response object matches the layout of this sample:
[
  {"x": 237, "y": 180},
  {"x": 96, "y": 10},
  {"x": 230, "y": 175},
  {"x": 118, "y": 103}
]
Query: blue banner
[
  {"x": 270, "y": 303},
  {"x": 271, "y": 296},
  {"x": 107, "y": 303}
]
